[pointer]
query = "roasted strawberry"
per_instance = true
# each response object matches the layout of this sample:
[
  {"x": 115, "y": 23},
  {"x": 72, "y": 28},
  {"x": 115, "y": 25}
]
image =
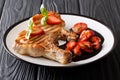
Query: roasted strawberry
[
  {"x": 85, "y": 46},
  {"x": 85, "y": 35},
  {"x": 95, "y": 42},
  {"x": 96, "y": 46},
  {"x": 70, "y": 45},
  {"x": 95, "y": 39},
  {"x": 77, "y": 50},
  {"x": 79, "y": 27}
]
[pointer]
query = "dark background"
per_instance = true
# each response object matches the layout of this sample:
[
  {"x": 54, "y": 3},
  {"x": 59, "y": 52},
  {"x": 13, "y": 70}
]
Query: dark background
[{"x": 107, "y": 68}]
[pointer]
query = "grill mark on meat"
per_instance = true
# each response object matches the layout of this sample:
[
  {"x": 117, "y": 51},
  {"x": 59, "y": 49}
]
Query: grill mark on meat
[
  {"x": 41, "y": 40},
  {"x": 49, "y": 27},
  {"x": 52, "y": 30}
]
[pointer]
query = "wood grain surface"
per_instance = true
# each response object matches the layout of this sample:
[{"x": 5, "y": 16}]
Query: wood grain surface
[{"x": 107, "y": 68}]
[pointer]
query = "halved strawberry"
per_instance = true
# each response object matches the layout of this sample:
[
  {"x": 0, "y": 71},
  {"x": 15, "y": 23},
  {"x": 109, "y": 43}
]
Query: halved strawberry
[
  {"x": 85, "y": 35},
  {"x": 95, "y": 42},
  {"x": 79, "y": 27},
  {"x": 36, "y": 31},
  {"x": 53, "y": 19},
  {"x": 96, "y": 46},
  {"x": 95, "y": 39},
  {"x": 70, "y": 45},
  {"x": 85, "y": 46},
  {"x": 77, "y": 50}
]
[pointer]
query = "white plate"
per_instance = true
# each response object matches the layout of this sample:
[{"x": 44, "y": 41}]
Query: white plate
[{"x": 70, "y": 20}]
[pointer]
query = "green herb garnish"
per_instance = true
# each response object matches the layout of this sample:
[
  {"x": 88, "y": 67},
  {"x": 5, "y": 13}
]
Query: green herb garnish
[
  {"x": 44, "y": 12},
  {"x": 29, "y": 30}
]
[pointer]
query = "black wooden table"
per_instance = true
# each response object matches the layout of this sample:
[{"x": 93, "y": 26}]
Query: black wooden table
[{"x": 107, "y": 68}]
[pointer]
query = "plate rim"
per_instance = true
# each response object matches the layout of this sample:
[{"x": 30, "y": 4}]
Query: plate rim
[{"x": 16, "y": 23}]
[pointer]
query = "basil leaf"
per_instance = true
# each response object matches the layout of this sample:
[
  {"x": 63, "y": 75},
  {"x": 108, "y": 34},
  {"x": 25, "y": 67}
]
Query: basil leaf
[
  {"x": 29, "y": 29},
  {"x": 45, "y": 15},
  {"x": 44, "y": 11},
  {"x": 43, "y": 20}
]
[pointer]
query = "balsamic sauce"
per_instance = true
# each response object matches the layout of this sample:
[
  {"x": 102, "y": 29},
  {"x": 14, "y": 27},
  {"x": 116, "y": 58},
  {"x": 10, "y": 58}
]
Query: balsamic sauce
[{"x": 84, "y": 54}]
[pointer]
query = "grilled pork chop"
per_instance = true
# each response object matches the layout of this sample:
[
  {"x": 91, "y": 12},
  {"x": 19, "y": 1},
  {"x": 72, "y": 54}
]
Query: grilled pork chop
[{"x": 45, "y": 45}]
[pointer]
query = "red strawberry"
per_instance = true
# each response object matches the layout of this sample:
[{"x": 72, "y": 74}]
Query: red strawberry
[
  {"x": 70, "y": 45},
  {"x": 96, "y": 46},
  {"x": 79, "y": 27},
  {"x": 95, "y": 42},
  {"x": 36, "y": 31},
  {"x": 85, "y": 35},
  {"x": 85, "y": 46},
  {"x": 95, "y": 39},
  {"x": 77, "y": 50},
  {"x": 53, "y": 19}
]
